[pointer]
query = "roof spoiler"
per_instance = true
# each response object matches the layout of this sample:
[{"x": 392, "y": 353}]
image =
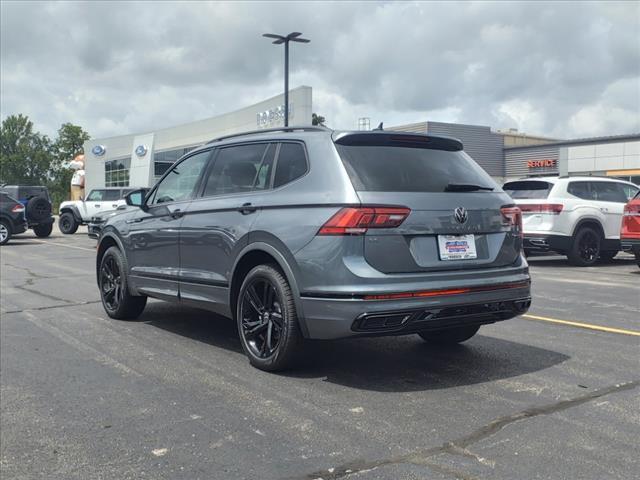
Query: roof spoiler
[{"x": 398, "y": 139}]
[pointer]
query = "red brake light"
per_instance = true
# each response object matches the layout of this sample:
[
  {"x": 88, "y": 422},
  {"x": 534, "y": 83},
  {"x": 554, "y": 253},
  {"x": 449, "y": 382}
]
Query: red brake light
[
  {"x": 513, "y": 217},
  {"x": 356, "y": 221},
  {"x": 552, "y": 208},
  {"x": 17, "y": 208},
  {"x": 632, "y": 210}
]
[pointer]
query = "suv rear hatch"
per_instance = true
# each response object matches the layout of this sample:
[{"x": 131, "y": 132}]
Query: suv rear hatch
[
  {"x": 532, "y": 196},
  {"x": 433, "y": 177}
]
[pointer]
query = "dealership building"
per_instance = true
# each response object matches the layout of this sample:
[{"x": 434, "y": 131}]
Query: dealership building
[{"x": 138, "y": 160}]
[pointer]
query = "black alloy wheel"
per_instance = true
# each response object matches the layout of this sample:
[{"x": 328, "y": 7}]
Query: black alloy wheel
[
  {"x": 267, "y": 319},
  {"x": 111, "y": 283},
  {"x": 117, "y": 301},
  {"x": 589, "y": 246},
  {"x": 261, "y": 314},
  {"x": 585, "y": 249}
]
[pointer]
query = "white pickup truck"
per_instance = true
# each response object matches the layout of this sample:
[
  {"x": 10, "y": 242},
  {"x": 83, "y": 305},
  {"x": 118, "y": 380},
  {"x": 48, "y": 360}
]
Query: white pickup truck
[{"x": 80, "y": 212}]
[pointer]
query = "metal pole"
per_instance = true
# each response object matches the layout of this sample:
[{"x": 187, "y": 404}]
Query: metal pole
[{"x": 286, "y": 83}]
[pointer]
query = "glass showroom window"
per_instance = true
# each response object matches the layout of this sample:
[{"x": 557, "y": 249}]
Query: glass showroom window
[
  {"x": 163, "y": 160},
  {"x": 116, "y": 172}
]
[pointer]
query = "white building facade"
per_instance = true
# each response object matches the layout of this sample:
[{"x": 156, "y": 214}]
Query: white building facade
[{"x": 138, "y": 160}]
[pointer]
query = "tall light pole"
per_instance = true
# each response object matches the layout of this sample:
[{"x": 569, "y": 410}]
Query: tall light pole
[{"x": 292, "y": 37}]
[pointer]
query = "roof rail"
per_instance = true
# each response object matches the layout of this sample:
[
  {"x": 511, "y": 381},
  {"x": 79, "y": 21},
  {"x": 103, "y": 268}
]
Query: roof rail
[{"x": 304, "y": 128}]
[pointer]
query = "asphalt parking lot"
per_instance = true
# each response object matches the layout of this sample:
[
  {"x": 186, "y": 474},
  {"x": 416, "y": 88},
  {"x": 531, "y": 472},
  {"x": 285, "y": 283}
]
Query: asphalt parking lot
[{"x": 171, "y": 396}]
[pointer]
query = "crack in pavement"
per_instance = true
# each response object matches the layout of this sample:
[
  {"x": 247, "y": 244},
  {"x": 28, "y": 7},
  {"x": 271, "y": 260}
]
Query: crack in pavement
[
  {"x": 459, "y": 446},
  {"x": 72, "y": 304},
  {"x": 33, "y": 276}
]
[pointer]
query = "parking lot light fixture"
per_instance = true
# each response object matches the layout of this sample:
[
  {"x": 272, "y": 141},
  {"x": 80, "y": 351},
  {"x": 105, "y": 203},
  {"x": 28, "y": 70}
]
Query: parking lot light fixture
[{"x": 279, "y": 39}]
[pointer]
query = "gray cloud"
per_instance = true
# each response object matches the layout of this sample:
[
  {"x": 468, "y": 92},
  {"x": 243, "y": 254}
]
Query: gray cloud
[{"x": 560, "y": 69}]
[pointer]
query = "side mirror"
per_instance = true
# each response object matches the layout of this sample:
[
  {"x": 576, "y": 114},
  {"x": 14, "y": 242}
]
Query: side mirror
[{"x": 136, "y": 198}]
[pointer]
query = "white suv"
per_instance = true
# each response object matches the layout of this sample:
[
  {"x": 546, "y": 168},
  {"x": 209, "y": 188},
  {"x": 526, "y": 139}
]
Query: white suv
[
  {"x": 79, "y": 212},
  {"x": 579, "y": 217}
]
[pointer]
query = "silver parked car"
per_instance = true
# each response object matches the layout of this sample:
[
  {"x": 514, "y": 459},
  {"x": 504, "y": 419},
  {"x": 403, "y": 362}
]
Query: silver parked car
[{"x": 305, "y": 232}]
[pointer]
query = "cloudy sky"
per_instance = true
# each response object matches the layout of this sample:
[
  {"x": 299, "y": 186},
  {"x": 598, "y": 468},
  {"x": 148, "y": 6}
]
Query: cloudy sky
[{"x": 558, "y": 69}]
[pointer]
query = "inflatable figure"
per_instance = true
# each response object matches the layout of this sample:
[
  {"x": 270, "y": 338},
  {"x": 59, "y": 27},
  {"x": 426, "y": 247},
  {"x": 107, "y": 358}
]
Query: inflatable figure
[{"x": 77, "y": 181}]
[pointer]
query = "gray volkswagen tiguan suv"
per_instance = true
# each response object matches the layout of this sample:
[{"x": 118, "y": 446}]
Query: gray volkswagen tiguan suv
[{"x": 307, "y": 233}]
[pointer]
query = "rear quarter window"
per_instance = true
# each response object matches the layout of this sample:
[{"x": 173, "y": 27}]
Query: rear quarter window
[
  {"x": 407, "y": 169},
  {"x": 528, "y": 189}
]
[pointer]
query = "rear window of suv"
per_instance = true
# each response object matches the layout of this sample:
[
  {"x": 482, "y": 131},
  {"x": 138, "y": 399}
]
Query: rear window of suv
[
  {"x": 528, "y": 189},
  {"x": 407, "y": 169}
]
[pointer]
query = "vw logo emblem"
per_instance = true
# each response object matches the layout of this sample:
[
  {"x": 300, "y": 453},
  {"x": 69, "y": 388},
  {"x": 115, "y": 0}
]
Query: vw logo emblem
[
  {"x": 460, "y": 214},
  {"x": 98, "y": 150},
  {"x": 141, "y": 150}
]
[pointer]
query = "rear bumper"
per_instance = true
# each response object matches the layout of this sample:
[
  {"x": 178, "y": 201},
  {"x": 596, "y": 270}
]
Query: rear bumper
[
  {"x": 45, "y": 221},
  {"x": 329, "y": 318},
  {"x": 546, "y": 243},
  {"x": 19, "y": 227},
  {"x": 631, "y": 245}
]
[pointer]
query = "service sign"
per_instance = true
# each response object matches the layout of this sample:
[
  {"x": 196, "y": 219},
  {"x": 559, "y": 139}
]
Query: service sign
[{"x": 545, "y": 163}]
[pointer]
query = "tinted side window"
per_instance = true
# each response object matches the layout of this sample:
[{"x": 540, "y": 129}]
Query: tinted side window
[
  {"x": 629, "y": 191},
  {"x": 580, "y": 190},
  {"x": 181, "y": 181},
  {"x": 96, "y": 196},
  {"x": 236, "y": 169},
  {"x": 111, "y": 195},
  {"x": 292, "y": 164},
  {"x": 609, "y": 192}
]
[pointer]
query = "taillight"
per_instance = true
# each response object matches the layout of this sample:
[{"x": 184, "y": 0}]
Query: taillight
[
  {"x": 631, "y": 210},
  {"x": 552, "y": 208},
  {"x": 356, "y": 221},
  {"x": 17, "y": 208},
  {"x": 513, "y": 217}
]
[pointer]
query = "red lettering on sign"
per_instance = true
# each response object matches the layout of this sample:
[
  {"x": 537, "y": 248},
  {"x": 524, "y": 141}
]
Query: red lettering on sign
[{"x": 541, "y": 163}]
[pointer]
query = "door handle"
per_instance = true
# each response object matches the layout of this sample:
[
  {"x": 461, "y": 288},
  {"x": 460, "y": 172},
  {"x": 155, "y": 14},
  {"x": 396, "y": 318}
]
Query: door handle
[
  {"x": 97, "y": 205},
  {"x": 247, "y": 208},
  {"x": 177, "y": 213}
]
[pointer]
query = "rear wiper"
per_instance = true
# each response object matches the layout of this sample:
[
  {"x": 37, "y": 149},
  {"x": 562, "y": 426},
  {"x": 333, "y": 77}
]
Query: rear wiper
[{"x": 465, "y": 187}]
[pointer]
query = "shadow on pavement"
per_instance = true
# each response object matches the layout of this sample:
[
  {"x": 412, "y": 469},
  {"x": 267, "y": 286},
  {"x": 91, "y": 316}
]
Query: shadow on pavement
[
  {"x": 562, "y": 262},
  {"x": 386, "y": 364}
]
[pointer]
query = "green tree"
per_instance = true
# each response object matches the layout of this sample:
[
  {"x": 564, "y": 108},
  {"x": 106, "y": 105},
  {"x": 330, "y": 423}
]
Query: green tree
[
  {"x": 25, "y": 155},
  {"x": 317, "y": 119},
  {"x": 30, "y": 158}
]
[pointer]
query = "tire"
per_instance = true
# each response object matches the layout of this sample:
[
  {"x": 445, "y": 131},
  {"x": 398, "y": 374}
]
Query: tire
[
  {"x": 114, "y": 287},
  {"x": 637, "y": 254},
  {"x": 43, "y": 230},
  {"x": 266, "y": 313},
  {"x": 585, "y": 247},
  {"x": 608, "y": 255},
  {"x": 67, "y": 223},
  {"x": 5, "y": 232},
  {"x": 450, "y": 336},
  {"x": 38, "y": 209}
]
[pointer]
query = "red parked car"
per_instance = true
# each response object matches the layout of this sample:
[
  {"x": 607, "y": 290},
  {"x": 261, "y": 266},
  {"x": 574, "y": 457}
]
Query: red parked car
[{"x": 630, "y": 232}]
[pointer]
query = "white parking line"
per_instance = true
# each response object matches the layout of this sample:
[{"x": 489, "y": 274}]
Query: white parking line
[
  {"x": 585, "y": 282},
  {"x": 65, "y": 246}
]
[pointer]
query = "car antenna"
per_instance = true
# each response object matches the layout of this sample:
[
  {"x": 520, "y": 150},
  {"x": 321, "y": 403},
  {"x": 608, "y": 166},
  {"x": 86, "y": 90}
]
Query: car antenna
[{"x": 379, "y": 127}]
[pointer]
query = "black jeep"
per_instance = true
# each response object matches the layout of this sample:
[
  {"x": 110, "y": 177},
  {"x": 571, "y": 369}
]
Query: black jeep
[{"x": 37, "y": 204}]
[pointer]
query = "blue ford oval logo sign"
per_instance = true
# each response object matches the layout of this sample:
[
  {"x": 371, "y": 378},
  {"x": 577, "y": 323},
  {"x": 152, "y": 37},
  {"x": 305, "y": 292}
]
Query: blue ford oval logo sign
[
  {"x": 141, "y": 150},
  {"x": 98, "y": 150}
]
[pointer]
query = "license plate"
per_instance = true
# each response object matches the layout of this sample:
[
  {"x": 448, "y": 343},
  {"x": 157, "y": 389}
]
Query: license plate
[{"x": 457, "y": 247}]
